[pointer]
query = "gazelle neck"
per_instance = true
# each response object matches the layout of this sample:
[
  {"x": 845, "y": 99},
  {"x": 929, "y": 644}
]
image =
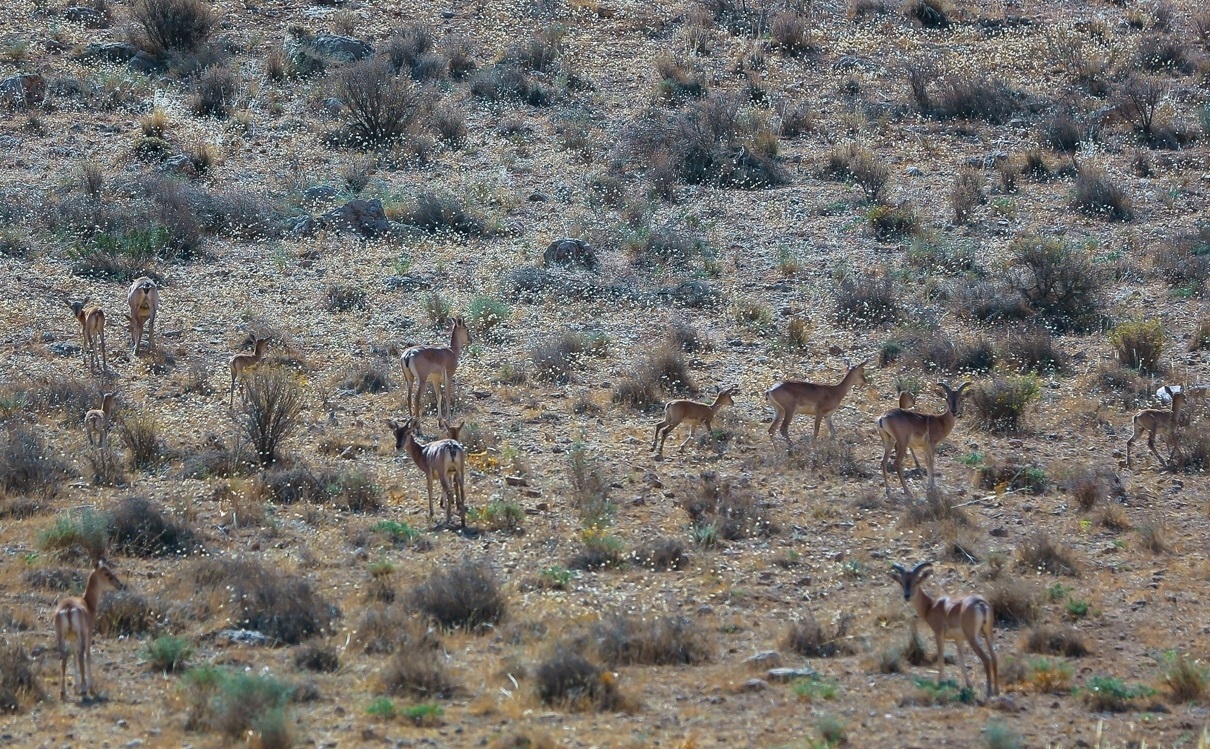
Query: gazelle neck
[
  {"x": 717, "y": 404},
  {"x": 414, "y": 449},
  {"x": 92, "y": 592},
  {"x": 922, "y": 602},
  {"x": 849, "y": 378},
  {"x": 455, "y": 342}
]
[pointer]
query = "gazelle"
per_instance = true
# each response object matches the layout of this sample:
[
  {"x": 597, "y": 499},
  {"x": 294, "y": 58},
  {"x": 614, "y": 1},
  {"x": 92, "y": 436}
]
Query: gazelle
[
  {"x": 901, "y": 429},
  {"x": 144, "y": 301},
  {"x": 97, "y": 421},
  {"x": 1151, "y": 420},
  {"x": 954, "y": 619},
  {"x": 434, "y": 365},
  {"x": 92, "y": 329},
  {"x": 241, "y": 362},
  {"x": 907, "y": 400},
  {"x": 444, "y": 460},
  {"x": 694, "y": 413},
  {"x": 73, "y": 622},
  {"x": 795, "y": 396}
]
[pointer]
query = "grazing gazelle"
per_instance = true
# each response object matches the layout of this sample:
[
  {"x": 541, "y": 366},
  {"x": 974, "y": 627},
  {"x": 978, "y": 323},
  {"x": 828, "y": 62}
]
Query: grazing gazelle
[
  {"x": 901, "y": 429},
  {"x": 144, "y": 301},
  {"x": 97, "y": 421},
  {"x": 92, "y": 328},
  {"x": 795, "y": 396},
  {"x": 434, "y": 365},
  {"x": 73, "y": 624},
  {"x": 694, "y": 413},
  {"x": 954, "y": 619},
  {"x": 444, "y": 460},
  {"x": 1151, "y": 420},
  {"x": 241, "y": 362}
]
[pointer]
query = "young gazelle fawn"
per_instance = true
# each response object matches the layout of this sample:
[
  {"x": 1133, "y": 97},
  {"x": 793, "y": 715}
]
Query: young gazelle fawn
[
  {"x": 240, "y": 363},
  {"x": 954, "y": 619},
  {"x": 73, "y": 627},
  {"x": 144, "y": 300},
  {"x": 692, "y": 412},
  {"x": 444, "y": 460},
  {"x": 97, "y": 421},
  {"x": 1152, "y": 420},
  {"x": 795, "y": 396},
  {"x": 901, "y": 429},
  {"x": 434, "y": 365},
  {"x": 92, "y": 329}
]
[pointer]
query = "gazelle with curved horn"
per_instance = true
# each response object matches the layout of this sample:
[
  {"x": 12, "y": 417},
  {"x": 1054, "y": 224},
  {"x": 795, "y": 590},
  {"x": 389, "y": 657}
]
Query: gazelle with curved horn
[
  {"x": 694, "y": 413},
  {"x": 434, "y": 365},
  {"x": 954, "y": 619},
  {"x": 1152, "y": 420},
  {"x": 901, "y": 429},
  {"x": 795, "y": 396},
  {"x": 73, "y": 626},
  {"x": 92, "y": 328}
]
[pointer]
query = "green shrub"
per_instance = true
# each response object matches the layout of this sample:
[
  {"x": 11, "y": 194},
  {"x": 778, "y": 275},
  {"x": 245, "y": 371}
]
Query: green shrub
[
  {"x": 893, "y": 222},
  {"x": 486, "y": 312},
  {"x": 232, "y": 702},
  {"x": 997, "y": 735},
  {"x": 499, "y": 516},
  {"x": 1185, "y": 679},
  {"x": 1139, "y": 344},
  {"x": 168, "y": 653},
  {"x": 424, "y": 714},
  {"x": 929, "y": 692},
  {"x": 1003, "y": 403},
  {"x": 1108, "y": 694},
  {"x": 382, "y": 707},
  {"x": 815, "y": 688},
  {"x": 87, "y": 531}
]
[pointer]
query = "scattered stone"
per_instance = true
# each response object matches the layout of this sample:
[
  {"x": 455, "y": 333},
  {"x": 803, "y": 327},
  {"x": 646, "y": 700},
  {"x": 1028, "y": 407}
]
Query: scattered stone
[
  {"x": 340, "y": 47},
  {"x": 846, "y": 62},
  {"x": 516, "y": 481},
  {"x": 913, "y": 171},
  {"x": 409, "y": 282},
  {"x": 782, "y": 675},
  {"x": 62, "y": 348},
  {"x": 89, "y": 18},
  {"x": 692, "y": 294},
  {"x": 180, "y": 164},
  {"x": 532, "y": 493},
  {"x": 320, "y": 193},
  {"x": 835, "y": 351},
  {"x": 570, "y": 253},
  {"x": 334, "y": 106},
  {"x": 116, "y": 52},
  {"x": 363, "y": 217},
  {"x": 1000, "y": 532},
  {"x": 447, "y": 13},
  {"x": 27, "y": 89},
  {"x": 538, "y": 197},
  {"x": 764, "y": 659},
  {"x": 145, "y": 64},
  {"x": 754, "y": 685},
  {"x": 243, "y": 637}
]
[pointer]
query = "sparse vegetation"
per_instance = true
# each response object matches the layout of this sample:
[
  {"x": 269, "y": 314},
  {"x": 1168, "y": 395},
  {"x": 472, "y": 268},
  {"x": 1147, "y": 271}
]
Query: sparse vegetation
[{"x": 464, "y": 597}]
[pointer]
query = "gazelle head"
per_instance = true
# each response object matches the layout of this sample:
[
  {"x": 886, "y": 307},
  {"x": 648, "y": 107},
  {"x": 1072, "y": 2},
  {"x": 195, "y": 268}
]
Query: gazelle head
[
  {"x": 403, "y": 430},
  {"x": 906, "y": 399},
  {"x": 726, "y": 395},
  {"x": 106, "y": 578},
  {"x": 953, "y": 398},
  {"x": 78, "y": 307},
  {"x": 461, "y": 333},
  {"x": 452, "y": 432},
  {"x": 911, "y": 579},
  {"x": 260, "y": 345}
]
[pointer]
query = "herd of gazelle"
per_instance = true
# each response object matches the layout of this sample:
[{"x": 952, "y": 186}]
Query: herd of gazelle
[{"x": 901, "y": 429}]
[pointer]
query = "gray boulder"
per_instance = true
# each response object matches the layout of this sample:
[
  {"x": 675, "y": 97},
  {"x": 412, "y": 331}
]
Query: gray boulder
[
  {"x": 117, "y": 52},
  {"x": 20, "y": 90},
  {"x": 570, "y": 253},
  {"x": 363, "y": 217},
  {"x": 339, "y": 47},
  {"x": 89, "y": 18}
]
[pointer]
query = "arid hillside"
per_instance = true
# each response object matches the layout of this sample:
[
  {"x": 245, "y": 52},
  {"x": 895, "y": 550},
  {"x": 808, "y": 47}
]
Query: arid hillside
[{"x": 591, "y": 207}]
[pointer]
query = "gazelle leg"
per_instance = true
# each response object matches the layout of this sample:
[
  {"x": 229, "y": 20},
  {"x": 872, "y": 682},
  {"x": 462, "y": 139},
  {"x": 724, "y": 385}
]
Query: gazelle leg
[
  {"x": 429, "y": 481},
  {"x": 785, "y": 429},
  {"x": 940, "y": 658},
  {"x": 966, "y": 677},
  {"x": 692, "y": 431},
  {"x": 818, "y": 419},
  {"x": 831, "y": 426},
  {"x": 983, "y": 658},
  {"x": 62, "y": 669},
  {"x": 899, "y": 454},
  {"x": 658, "y": 428}
]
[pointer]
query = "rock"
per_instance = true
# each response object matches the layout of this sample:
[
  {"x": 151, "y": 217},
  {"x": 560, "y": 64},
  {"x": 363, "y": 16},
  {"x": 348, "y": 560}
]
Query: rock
[
  {"x": 532, "y": 493},
  {"x": 782, "y": 675},
  {"x": 570, "y": 253},
  {"x": 243, "y": 637},
  {"x": 516, "y": 481},
  {"x": 334, "y": 106},
  {"x": 302, "y": 226},
  {"x": 62, "y": 348},
  {"x": 89, "y": 18},
  {"x": 180, "y": 164},
  {"x": 913, "y": 171},
  {"x": 409, "y": 282},
  {"x": 835, "y": 350},
  {"x": 754, "y": 685},
  {"x": 846, "y": 62},
  {"x": 764, "y": 659},
  {"x": 447, "y": 13},
  {"x": 320, "y": 193},
  {"x": 693, "y": 294},
  {"x": 364, "y": 217},
  {"x": 19, "y": 90},
  {"x": 339, "y": 47},
  {"x": 117, "y": 52},
  {"x": 538, "y": 197},
  {"x": 145, "y": 64},
  {"x": 1000, "y": 532}
]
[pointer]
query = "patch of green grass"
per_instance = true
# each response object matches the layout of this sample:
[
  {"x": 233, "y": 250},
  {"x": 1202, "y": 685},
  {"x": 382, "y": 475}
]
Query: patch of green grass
[
  {"x": 1058, "y": 592},
  {"x": 382, "y": 707},
  {"x": 168, "y": 653},
  {"x": 999, "y": 736},
  {"x": 929, "y": 692},
  {"x": 424, "y": 714},
  {"x": 557, "y": 577},
  {"x": 87, "y": 530},
  {"x": 486, "y": 312},
  {"x": 1077, "y": 609},
  {"x": 1109, "y": 694},
  {"x": 973, "y": 459},
  {"x": 397, "y": 531},
  {"x": 498, "y": 516},
  {"x": 815, "y": 688}
]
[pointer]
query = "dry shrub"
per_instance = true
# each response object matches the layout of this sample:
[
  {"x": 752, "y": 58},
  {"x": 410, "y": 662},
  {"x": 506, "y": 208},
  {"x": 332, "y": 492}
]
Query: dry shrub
[
  {"x": 893, "y": 222},
  {"x": 1183, "y": 262},
  {"x": 791, "y": 33},
  {"x": 1113, "y": 517},
  {"x": 662, "y": 555},
  {"x": 941, "y": 353},
  {"x": 125, "y": 613},
  {"x": 1047, "y": 640},
  {"x": 317, "y": 656},
  {"x": 865, "y": 302},
  {"x": 1032, "y": 350},
  {"x": 1040, "y": 552},
  {"x": 1095, "y": 194},
  {"x": 937, "y": 508},
  {"x": 1014, "y": 601},
  {"x": 1057, "y": 281},
  {"x": 809, "y": 638},
  {"x": 931, "y": 14},
  {"x": 1139, "y": 344},
  {"x": 664, "y": 372},
  {"x": 27, "y": 465},
  {"x": 1160, "y": 53},
  {"x": 523, "y": 739},
  {"x": 569, "y": 680},
  {"x": 138, "y": 528},
  {"x": 1003, "y": 403},
  {"x": 174, "y": 25},
  {"x": 214, "y": 91},
  {"x": 418, "y": 672},
  {"x": 976, "y": 98},
  {"x": 986, "y": 301},
  {"x": 1014, "y": 473},
  {"x": 555, "y": 358},
  {"x": 55, "y": 578},
  {"x": 659, "y": 641},
  {"x": 858, "y": 165},
  {"x": 590, "y": 488},
  {"x": 967, "y": 193},
  {"x": 381, "y": 105},
  {"x": 678, "y": 80},
  {"x": 341, "y": 298},
  {"x": 278, "y": 604},
  {"x": 1088, "y": 486},
  {"x": 367, "y": 377},
  {"x": 19, "y": 685},
  {"x": 466, "y": 597},
  {"x": 1063, "y": 133},
  {"x": 1186, "y": 679},
  {"x": 722, "y": 510},
  {"x": 140, "y": 432},
  {"x": 1151, "y": 537},
  {"x": 273, "y": 401},
  {"x": 829, "y": 457}
]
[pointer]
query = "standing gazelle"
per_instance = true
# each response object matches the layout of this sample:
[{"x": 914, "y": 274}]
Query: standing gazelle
[
  {"x": 444, "y": 460},
  {"x": 954, "y": 619},
  {"x": 694, "y": 413},
  {"x": 92, "y": 329},
  {"x": 144, "y": 301},
  {"x": 242, "y": 362},
  {"x": 795, "y": 396},
  {"x": 901, "y": 429},
  {"x": 434, "y": 365},
  {"x": 73, "y": 623},
  {"x": 1151, "y": 420},
  {"x": 97, "y": 421}
]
